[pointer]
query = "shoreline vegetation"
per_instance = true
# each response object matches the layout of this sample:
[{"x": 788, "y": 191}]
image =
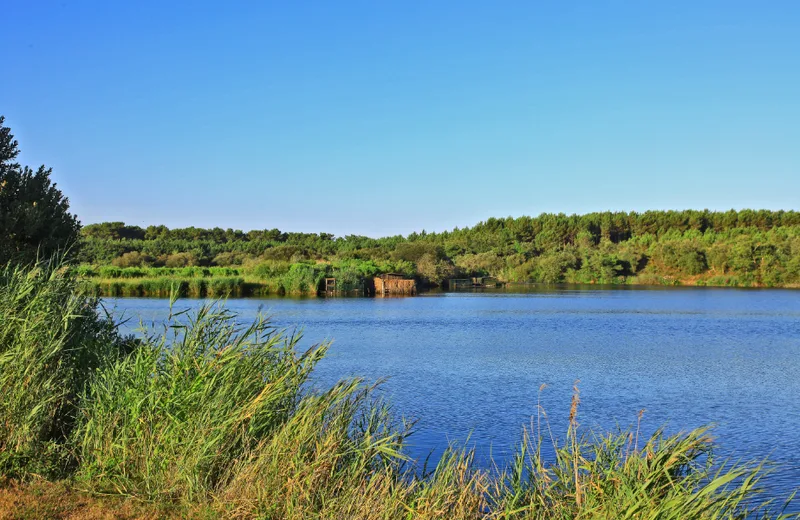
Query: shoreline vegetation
[
  {"x": 209, "y": 417},
  {"x": 747, "y": 248}
]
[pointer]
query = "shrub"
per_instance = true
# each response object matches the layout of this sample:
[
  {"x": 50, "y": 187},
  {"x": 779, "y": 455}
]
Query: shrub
[
  {"x": 681, "y": 256},
  {"x": 433, "y": 270},
  {"x": 133, "y": 259},
  {"x": 481, "y": 264},
  {"x": 268, "y": 269},
  {"x": 284, "y": 253},
  {"x": 181, "y": 260},
  {"x": 229, "y": 258}
]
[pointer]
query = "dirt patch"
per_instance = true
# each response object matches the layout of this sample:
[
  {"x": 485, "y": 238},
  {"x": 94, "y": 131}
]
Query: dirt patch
[{"x": 60, "y": 501}]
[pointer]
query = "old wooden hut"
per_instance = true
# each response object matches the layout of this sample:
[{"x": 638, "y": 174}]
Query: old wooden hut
[{"x": 394, "y": 283}]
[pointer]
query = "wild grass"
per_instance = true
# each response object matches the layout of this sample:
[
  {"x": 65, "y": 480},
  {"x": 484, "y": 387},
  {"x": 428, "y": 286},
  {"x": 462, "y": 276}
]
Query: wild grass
[
  {"x": 170, "y": 421},
  {"x": 214, "y": 287},
  {"x": 53, "y": 339},
  {"x": 259, "y": 278},
  {"x": 211, "y": 414},
  {"x": 611, "y": 476},
  {"x": 109, "y": 271}
]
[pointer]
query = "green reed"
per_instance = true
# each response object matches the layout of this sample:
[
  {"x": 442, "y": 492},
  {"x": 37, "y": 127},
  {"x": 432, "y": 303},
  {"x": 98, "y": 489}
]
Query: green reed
[{"x": 53, "y": 339}]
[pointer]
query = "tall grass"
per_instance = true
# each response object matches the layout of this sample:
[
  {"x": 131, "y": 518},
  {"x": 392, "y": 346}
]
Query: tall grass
[
  {"x": 109, "y": 271},
  {"x": 214, "y": 287},
  {"x": 211, "y": 412},
  {"x": 53, "y": 339},
  {"x": 610, "y": 476},
  {"x": 170, "y": 420}
]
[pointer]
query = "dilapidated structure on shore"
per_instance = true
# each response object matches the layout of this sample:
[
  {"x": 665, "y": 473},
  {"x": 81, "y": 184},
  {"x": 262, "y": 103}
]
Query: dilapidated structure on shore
[{"x": 393, "y": 283}]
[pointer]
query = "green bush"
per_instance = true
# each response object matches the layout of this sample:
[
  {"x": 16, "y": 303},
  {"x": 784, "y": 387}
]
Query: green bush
[
  {"x": 181, "y": 260},
  {"x": 681, "y": 256},
  {"x": 133, "y": 259}
]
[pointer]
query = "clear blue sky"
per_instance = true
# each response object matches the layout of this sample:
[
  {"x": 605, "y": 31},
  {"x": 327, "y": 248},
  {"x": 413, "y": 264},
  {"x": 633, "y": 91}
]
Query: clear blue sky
[{"x": 380, "y": 118}]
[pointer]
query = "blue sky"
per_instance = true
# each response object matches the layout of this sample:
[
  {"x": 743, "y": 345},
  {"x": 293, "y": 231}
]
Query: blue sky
[{"x": 381, "y": 118}]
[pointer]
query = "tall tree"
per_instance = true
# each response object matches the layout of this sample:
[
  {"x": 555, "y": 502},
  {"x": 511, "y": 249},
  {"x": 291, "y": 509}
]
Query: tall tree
[{"x": 34, "y": 214}]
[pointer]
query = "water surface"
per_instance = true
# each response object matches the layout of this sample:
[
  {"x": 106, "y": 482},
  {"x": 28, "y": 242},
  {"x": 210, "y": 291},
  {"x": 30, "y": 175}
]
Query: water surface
[{"x": 470, "y": 365}]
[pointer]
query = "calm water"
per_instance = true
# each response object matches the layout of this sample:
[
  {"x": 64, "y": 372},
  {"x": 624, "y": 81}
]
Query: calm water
[{"x": 470, "y": 365}]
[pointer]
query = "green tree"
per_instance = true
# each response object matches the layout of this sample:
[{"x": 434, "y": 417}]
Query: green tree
[{"x": 34, "y": 214}]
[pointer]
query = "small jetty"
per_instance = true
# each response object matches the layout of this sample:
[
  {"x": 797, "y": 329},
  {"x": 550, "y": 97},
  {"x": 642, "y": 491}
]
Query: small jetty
[
  {"x": 334, "y": 287},
  {"x": 478, "y": 282},
  {"x": 388, "y": 284}
]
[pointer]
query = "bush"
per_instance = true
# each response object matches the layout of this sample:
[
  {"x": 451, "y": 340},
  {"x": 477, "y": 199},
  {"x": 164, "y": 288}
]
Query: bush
[
  {"x": 107, "y": 271},
  {"x": 284, "y": 253},
  {"x": 682, "y": 257},
  {"x": 481, "y": 264},
  {"x": 181, "y": 260},
  {"x": 133, "y": 259},
  {"x": 229, "y": 258},
  {"x": 553, "y": 267},
  {"x": 302, "y": 278},
  {"x": 269, "y": 269},
  {"x": 434, "y": 271}
]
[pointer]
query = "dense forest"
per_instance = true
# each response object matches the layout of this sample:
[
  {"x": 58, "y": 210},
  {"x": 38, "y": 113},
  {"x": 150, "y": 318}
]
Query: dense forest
[{"x": 739, "y": 248}]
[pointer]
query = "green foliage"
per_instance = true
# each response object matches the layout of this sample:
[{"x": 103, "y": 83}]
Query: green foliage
[
  {"x": 173, "y": 419},
  {"x": 481, "y": 264},
  {"x": 435, "y": 270},
  {"x": 52, "y": 340},
  {"x": 34, "y": 215},
  {"x": 302, "y": 278},
  {"x": 680, "y": 256},
  {"x": 612, "y": 477},
  {"x": 553, "y": 268},
  {"x": 133, "y": 259},
  {"x": 683, "y": 246},
  {"x": 113, "y": 231},
  {"x": 185, "y": 259},
  {"x": 226, "y": 259}
]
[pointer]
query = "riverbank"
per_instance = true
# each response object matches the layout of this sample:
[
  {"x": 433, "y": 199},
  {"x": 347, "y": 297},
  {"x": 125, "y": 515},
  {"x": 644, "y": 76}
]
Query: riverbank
[
  {"x": 242, "y": 286},
  {"x": 220, "y": 421},
  {"x": 745, "y": 248}
]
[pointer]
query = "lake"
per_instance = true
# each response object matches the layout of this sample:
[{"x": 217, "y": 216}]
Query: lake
[{"x": 469, "y": 366}]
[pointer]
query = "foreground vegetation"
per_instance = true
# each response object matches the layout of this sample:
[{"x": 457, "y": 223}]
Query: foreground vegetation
[
  {"x": 745, "y": 248},
  {"x": 215, "y": 418}
]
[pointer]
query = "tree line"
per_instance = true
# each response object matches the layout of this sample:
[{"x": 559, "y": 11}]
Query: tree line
[{"x": 746, "y": 247}]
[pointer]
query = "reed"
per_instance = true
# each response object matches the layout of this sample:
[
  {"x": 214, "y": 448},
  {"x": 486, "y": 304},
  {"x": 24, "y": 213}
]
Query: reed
[
  {"x": 611, "y": 476},
  {"x": 53, "y": 340},
  {"x": 216, "y": 287}
]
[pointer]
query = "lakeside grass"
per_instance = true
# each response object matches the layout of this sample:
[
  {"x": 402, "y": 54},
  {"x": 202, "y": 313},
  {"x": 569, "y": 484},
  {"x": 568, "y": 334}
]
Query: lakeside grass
[
  {"x": 218, "y": 282},
  {"x": 203, "y": 282},
  {"x": 212, "y": 417}
]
